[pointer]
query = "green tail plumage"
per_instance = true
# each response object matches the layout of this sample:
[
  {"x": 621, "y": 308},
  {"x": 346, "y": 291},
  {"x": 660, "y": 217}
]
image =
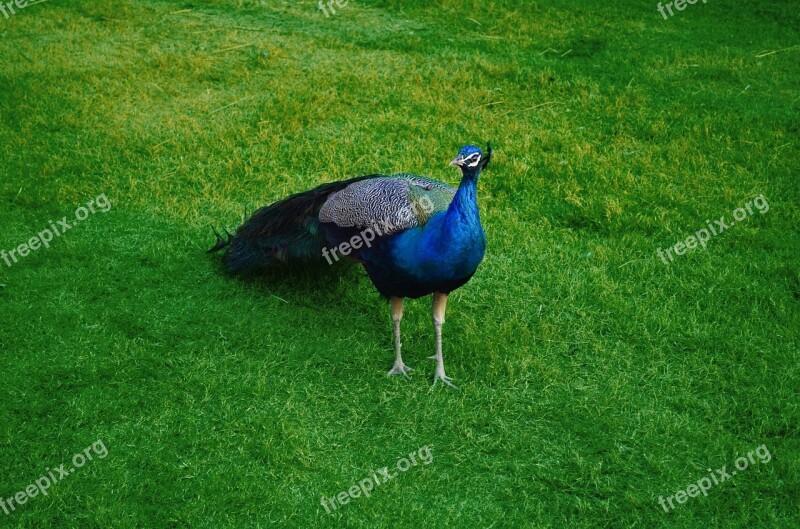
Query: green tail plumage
[{"x": 287, "y": 232}]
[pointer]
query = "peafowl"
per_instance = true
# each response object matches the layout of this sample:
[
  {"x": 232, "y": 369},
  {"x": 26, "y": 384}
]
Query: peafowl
[{"x": 414, "y": 236}]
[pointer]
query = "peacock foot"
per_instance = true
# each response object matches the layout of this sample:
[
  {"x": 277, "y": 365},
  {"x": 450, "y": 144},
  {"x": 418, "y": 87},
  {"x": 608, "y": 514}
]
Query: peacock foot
[
  {"x": 439, "y": 375},
  {"x": 400, "y": 368}
]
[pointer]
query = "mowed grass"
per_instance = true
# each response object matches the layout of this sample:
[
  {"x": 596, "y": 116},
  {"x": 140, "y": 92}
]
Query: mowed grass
[{"x": 593, "y": 378}]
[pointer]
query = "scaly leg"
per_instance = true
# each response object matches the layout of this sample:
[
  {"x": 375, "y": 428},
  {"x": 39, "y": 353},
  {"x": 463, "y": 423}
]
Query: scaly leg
[
  {"x": 439, "y": 305},
  {"x": 399, "y": 367}
]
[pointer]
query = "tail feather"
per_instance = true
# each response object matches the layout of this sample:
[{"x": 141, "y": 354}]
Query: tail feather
[
  {"x": 287, "y": 232},
  {"x": 221, "y": 242}
]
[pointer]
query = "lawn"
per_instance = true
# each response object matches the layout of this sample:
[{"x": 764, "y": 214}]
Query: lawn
[{"x": 617, "y": 351}]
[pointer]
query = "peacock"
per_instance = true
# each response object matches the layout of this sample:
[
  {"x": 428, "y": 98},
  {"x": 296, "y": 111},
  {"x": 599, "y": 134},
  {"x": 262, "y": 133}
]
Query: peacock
[{"x": 413, "y": 235}]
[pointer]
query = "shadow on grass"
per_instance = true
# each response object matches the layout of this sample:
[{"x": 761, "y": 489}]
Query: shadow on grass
[
  {"x": 333, "y": 302},
  {"x": 317, "y": 286}
]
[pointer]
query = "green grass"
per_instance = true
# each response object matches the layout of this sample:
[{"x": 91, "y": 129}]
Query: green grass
[{"x": 593, "y": 378}]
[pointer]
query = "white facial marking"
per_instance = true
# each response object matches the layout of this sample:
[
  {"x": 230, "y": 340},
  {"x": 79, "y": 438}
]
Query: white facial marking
[{"x": 477, "y": 160}]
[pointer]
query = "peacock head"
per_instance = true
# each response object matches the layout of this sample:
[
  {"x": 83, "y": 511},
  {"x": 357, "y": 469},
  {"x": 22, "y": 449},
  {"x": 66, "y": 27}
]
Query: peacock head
[{"x": 471, "y": 159}]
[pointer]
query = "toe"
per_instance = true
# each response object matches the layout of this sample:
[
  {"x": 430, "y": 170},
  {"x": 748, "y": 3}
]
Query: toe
[
  {"x": 401, "y": 369},
  {"x": 445, "y": 380}
]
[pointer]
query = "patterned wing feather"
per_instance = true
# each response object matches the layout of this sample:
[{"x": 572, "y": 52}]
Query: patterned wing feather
[{"x": 392, "y": 203}]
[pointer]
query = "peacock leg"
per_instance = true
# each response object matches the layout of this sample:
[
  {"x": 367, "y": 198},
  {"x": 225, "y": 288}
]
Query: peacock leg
[
  {"x": 439, "y": 304},
  {"x": 399, "y": 367}
]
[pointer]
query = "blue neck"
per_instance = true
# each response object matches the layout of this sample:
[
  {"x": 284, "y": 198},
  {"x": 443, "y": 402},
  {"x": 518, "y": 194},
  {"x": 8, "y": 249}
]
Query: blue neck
[
  {"x": 448, "y": 249},
  {"x": 465, "y": 203},
  {"x": 462, "y": 221}
]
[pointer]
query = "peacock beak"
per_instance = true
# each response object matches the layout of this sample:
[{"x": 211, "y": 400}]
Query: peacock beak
[{"x": 456, "y": 161}]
